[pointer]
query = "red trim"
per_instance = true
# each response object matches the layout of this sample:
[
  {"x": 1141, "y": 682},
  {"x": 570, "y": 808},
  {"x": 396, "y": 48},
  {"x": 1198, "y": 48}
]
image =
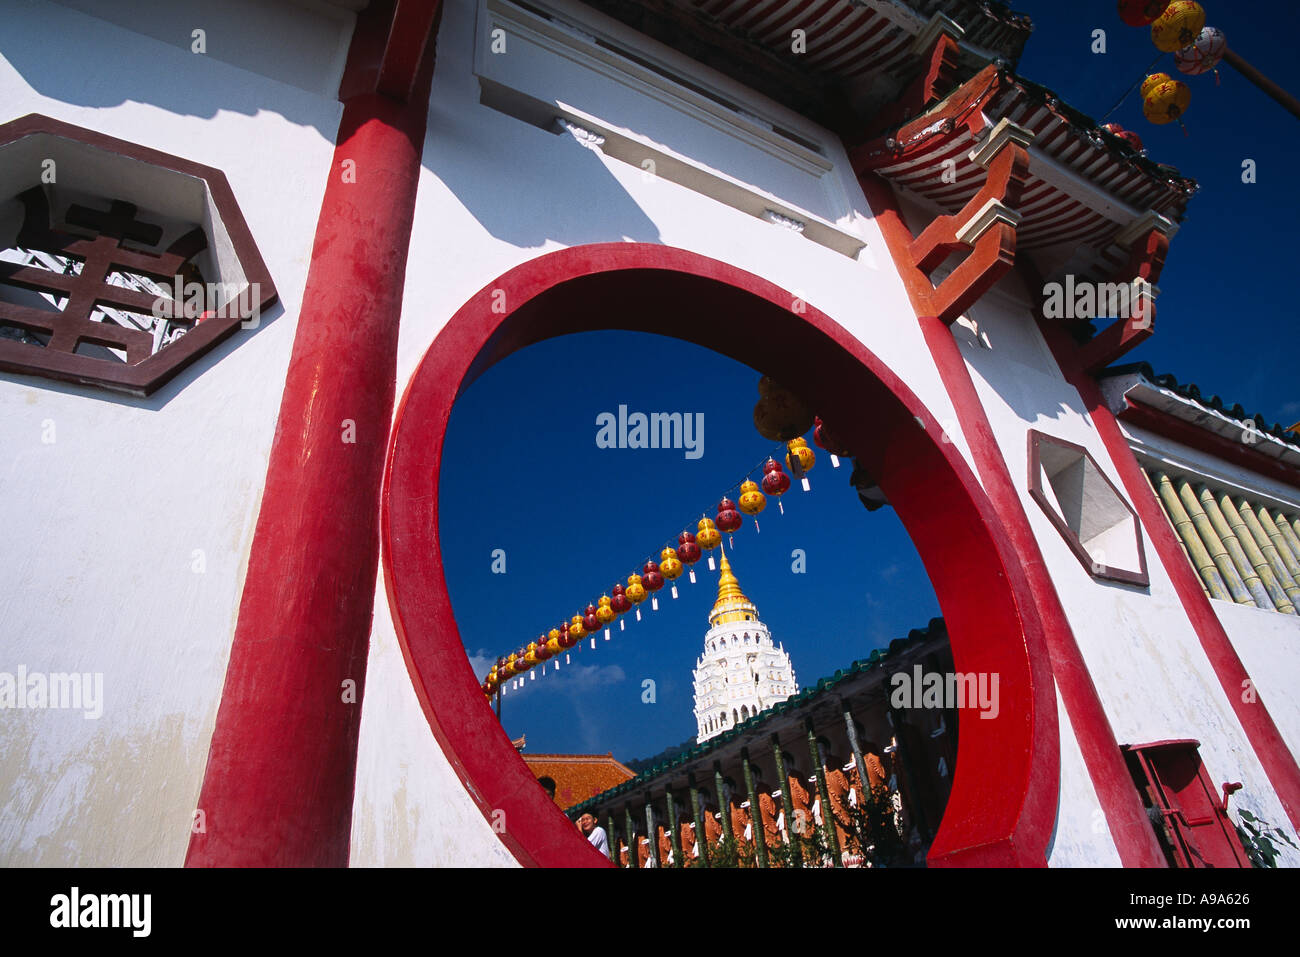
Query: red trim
[
  {"x": 1270, "y": 747},
  {"x": 1193, "y": 436},
  {"x": 278, "y": 788},
  {"x": 991, "y": 819},
  {"x": 1129, "y": 827},
  {"x": 412, "y": 29}
]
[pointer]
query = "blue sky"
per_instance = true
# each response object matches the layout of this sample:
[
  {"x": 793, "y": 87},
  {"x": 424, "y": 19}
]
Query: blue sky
[{"x": 525, "y": 474}]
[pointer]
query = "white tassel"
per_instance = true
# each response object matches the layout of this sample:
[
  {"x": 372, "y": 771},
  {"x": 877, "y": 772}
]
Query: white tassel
[
  {"x": 692, "y": 576},
  {"x": 568, "y": 660},
  {"x": 654, "y": 602},
  {"x": 835, "y": 461},
  {"x": 674, "y": 591},
  {"x": 621, "y": 623},
  {"x": 712, "y": 567},
  {"x": 593, "y": 644},
  {"x": 780, "y": 506},
  {"x": 757, "y": 530},
  {"x": 638, "y": 613},
  {"x": 607, "y": 634},
  {"x": 532, "y": 676},
  {"x": 806, "y": 486}
]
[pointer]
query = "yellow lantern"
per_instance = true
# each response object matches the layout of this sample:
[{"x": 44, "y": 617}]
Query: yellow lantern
[
  {"x": 804, "y": 456},
  {"x": 1164, "y": 99},
  {"x": 553, "y": 643},
  {"x": 576, "y": 631},
  {"x": 604, "y": 613},
  {"x": 635, "y": 591},
  {"x": 751, "y": 501},
  {"x": 708, "y": 537},
  {"x": 669, "y": 564},
  {"x": 1178, "y": 26}
]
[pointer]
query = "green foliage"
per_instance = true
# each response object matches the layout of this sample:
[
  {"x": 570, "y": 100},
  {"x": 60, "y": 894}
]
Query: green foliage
[
  {"x": 1257, "y": 837},
  {"x": 871, "y": 831}
]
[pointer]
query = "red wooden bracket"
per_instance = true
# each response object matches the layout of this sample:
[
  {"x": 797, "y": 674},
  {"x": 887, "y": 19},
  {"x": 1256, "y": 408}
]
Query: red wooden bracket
[{"x": 1146, "y": 259}]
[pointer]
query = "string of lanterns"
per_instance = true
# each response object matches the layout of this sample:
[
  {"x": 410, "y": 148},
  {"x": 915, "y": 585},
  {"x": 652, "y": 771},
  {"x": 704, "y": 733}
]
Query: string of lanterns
[
  {"x": 779, "y": 415},
  {"x": 1177, "y": 27}
]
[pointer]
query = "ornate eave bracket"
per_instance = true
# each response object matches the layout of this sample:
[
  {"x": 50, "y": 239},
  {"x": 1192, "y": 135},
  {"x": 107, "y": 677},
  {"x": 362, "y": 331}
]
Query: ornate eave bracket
[
  {"x": 986, "y": 226},
  {"x": 1147, "y": 240}
]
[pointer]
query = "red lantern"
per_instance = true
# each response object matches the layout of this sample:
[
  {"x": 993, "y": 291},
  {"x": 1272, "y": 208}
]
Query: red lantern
[
  {"x": 618, "y": 601},
  {"x": 1128, "y": 136},
  {"x": 589, "y": 620},
  {"x": 728, "y": 519},
  {"x": 829, "y": 442},
  {"x": 543, "y": 649},
  {"x": 1140, "y": 13},
  {"x": 653, "y": 580},
  {"x": 688, "y": 551},
  {"x": 775, "y": 482}
]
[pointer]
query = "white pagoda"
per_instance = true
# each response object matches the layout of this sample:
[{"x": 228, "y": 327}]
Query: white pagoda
[{"x": 741, "y": 672}]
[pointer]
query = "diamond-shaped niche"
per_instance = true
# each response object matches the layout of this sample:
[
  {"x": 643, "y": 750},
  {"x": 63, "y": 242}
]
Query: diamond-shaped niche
[
  {"x": 97, "y": 238},
  {"x": 1091, "y": 514}
]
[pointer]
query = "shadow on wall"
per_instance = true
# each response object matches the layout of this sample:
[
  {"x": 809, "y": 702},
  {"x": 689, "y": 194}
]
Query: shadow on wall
[{"x": 243, "y": 37}]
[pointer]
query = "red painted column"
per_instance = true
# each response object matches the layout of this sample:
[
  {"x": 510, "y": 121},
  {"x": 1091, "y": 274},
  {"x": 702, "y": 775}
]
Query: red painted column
[
  {"x": 1132, "y": 832},
  {"x": 279, "y": 781},
  {"x": 1270, "y": 747}
]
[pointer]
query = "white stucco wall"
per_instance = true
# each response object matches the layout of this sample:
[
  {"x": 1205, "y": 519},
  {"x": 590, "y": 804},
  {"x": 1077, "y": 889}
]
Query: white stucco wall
[
  {"x": 104, "y": 522},
  {"x": 106, "y": 519},
  {"x": 1145, "y": 658}
]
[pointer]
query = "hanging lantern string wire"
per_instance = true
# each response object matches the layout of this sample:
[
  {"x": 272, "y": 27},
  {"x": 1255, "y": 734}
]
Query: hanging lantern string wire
[
  {"x": 668, "y": 543},
  {"x": 1129, "y": 91}
]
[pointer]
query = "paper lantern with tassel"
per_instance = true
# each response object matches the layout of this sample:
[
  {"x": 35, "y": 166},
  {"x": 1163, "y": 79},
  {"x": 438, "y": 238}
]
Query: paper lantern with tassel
[
  {"x": 775, "y": 482},
  {"x": 1139, "y": 13},
  {"x": 1178, "y": 26},
  {"x": 728, "y": 519},
  {"x": 530, "y": 654},
  {"x": 800, "y": 459},
  {"x": 577, "y": 630},
  {"x": 543, "y": 652},
  {"x": 671, "y": 566},
  {"x": 1204, "y": 53},
  {"x": 1164, "y": 99},
  {"x": 829, "y": 442},
  {"x": 635, "y": 592},
  {"x": 653, "y": 580},
  {"x": 780, "y": 414},
  {"x": 752, "y": 501},
  {"x": 553, "y": 644},
  {"x": 688, "y": 551},
  {"x": 604, "y": 610},
  {"x": 707, "y": 537},
  {"x": 590, "y": 623},
  {"x": 1128, "y": 136},
  {"x": 618, "y": 601}
]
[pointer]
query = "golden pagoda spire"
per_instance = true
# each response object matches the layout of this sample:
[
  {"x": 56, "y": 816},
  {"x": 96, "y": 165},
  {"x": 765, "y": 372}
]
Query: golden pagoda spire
[{"x": 732, "y": 605}]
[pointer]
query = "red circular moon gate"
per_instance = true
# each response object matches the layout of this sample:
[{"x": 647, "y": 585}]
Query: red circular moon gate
[{"x": 1002, "y": 806}]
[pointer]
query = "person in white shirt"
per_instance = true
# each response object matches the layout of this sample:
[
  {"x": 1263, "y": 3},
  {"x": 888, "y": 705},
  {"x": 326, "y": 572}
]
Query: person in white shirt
[{"x": 595, "y": 833}]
